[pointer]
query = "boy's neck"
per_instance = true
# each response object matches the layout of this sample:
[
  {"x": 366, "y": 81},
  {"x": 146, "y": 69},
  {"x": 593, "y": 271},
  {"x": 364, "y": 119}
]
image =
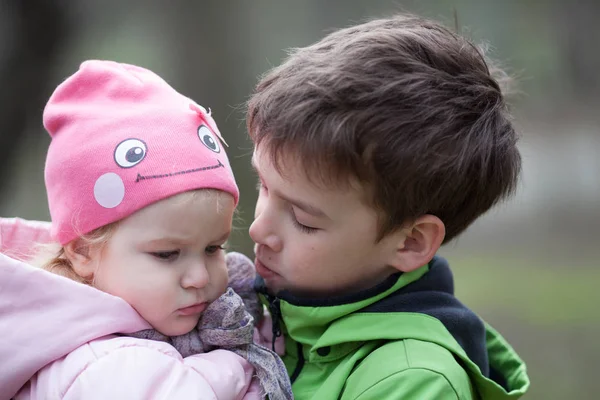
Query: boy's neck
[{"x": 328, "y": 300}]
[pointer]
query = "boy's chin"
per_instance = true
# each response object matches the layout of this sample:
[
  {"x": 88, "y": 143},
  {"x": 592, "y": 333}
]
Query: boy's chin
[
  {"x": 273, "y": 286},
  {"x": 276, "y": 288}
]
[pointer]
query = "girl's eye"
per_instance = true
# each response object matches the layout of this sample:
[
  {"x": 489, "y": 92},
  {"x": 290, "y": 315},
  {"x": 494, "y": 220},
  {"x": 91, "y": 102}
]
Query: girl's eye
[
  {"x": 214, "y": 249},
  {"x": 167, "y": 255}
]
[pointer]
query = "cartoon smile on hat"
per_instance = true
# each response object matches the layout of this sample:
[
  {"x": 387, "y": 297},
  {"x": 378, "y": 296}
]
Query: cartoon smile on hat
[{"x": 109, "y": 189}]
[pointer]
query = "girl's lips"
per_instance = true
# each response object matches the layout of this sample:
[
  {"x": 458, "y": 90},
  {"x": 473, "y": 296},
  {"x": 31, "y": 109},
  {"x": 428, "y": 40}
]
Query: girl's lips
[{"x": 194, "y": 309}]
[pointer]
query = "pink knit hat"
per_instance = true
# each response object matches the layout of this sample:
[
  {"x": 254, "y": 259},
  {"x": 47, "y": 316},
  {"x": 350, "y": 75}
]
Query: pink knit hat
[{"x": 122, "y": 139}]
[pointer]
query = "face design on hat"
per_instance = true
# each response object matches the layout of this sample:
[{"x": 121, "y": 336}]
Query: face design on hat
[{"x": 130, "y": 156}]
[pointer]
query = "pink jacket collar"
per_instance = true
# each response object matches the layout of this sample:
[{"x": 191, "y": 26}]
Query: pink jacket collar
[{"x": 32, "y": 302}]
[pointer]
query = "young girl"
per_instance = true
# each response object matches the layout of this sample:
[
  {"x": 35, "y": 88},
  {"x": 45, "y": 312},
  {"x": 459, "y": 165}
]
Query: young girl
[{"x": 141, "y": 197}]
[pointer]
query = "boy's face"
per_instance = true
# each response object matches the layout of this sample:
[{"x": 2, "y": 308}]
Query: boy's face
[{"x": 315, "y": 241}]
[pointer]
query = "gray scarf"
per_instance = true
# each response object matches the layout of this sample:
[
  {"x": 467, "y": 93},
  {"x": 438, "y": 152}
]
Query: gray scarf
[{"x": 226, "y": 324}]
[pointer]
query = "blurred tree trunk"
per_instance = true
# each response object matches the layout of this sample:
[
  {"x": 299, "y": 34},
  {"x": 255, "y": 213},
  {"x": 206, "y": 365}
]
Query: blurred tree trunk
[
  {"x": 211, "y": 69},
  {"x": 32, "y": 36},
  {"x": 579, "y": 35}
]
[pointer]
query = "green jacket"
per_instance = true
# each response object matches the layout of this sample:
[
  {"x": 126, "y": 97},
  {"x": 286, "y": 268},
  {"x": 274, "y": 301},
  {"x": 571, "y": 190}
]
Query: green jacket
[{"x": 407, "y": 338}]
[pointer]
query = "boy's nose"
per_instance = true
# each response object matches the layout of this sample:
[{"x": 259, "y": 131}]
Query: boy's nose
[{"x": 262, "y": 233}]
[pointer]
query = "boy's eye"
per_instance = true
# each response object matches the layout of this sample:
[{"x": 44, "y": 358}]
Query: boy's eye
[
  {"x": 214, "y": 249},
  {"x": 302, "y": 227},
  {"x": 166, "y": 255}
]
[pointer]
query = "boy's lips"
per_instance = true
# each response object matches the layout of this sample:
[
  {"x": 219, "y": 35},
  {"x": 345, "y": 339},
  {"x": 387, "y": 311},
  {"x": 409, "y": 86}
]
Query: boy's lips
[
  {"x": 263, "y": 270},
  {"x": 193, "y": 309}
]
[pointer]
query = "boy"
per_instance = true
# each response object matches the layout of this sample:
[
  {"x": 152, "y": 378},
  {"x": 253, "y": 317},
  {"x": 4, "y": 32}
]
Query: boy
[{"x": 374, "y": 147}]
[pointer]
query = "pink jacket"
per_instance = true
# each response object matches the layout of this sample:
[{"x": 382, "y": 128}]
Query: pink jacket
[{"x": 85, "y": 361}]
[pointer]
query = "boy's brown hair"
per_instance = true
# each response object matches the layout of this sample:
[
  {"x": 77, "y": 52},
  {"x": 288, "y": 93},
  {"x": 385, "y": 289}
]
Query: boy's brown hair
[{"x": 403, "y": 106}]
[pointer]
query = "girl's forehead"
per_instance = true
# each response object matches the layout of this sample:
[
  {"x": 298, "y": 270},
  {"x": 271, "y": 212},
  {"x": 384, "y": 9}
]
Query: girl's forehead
[{"x": 188, "y": 213}]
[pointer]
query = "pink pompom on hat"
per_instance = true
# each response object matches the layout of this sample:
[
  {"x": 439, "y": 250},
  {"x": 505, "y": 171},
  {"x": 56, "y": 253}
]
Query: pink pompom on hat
[{"x": 122, "y": 139}]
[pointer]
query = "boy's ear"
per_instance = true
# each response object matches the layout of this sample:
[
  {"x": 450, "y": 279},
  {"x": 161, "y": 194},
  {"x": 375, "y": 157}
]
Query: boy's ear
[
  {"x": 82, "y": 259},
  {"x": 417, "y": 244}
]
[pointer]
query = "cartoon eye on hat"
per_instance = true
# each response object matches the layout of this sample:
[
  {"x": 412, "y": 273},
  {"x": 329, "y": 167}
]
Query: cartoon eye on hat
[
  {"x": 207, "y": 138},
  {"x": 130, "y": 152}
]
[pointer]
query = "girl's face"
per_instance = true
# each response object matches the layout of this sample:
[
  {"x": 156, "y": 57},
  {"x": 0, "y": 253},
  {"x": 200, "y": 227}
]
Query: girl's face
[{"x": 167, "y": 260}]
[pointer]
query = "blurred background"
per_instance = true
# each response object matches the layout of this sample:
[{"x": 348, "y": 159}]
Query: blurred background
[{"x": 529, "y": 267}]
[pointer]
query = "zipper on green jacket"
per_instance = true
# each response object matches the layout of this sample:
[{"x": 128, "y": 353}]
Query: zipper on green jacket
[
  {"x": 300, "y": 363},
  {"x": 275, "y": 310}
]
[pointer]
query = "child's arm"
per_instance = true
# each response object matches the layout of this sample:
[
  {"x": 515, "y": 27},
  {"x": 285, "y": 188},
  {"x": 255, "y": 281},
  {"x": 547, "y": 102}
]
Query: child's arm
[
  {"x": 409, "y": 384},
  {"x": 380, "y": 376},
  {"x": 134, "y": 369}
]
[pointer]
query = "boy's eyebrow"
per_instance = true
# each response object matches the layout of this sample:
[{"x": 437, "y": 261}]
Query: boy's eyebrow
[{"x": 307, "y": 208}]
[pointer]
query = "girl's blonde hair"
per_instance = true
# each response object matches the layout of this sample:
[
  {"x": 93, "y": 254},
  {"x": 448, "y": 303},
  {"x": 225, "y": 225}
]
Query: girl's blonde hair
[{"x": 52, "y": 257}]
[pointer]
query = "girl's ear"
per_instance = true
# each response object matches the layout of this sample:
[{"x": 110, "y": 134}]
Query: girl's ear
[{"x": 83, "y": 258}]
